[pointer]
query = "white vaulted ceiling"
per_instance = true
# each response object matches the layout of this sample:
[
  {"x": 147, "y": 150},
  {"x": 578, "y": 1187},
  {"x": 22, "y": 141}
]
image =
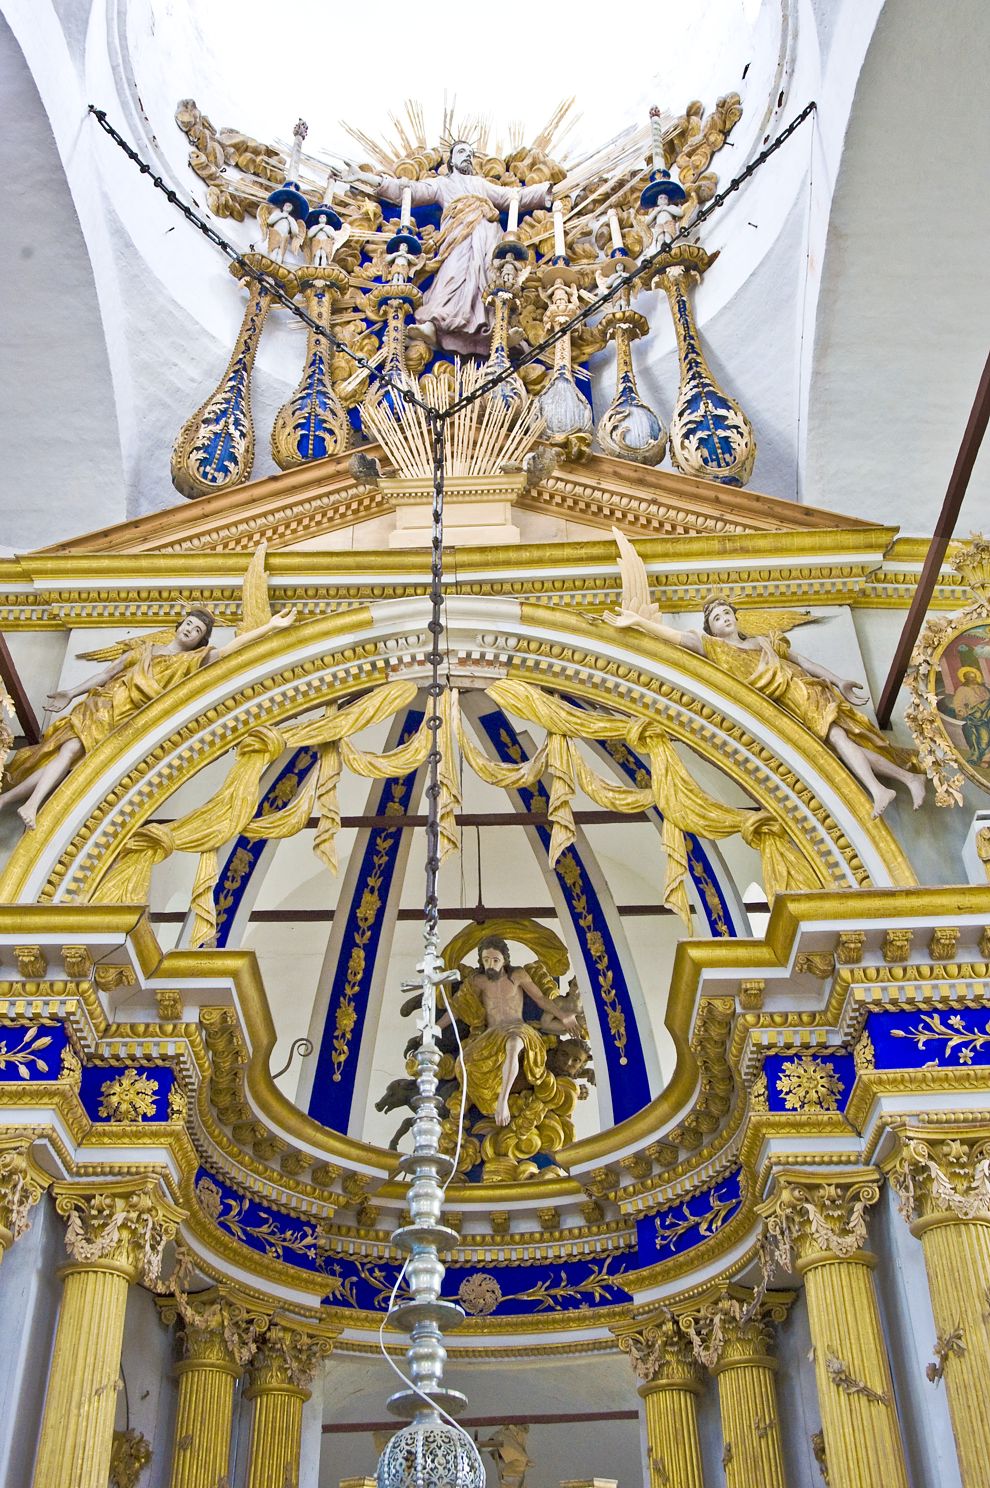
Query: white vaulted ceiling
[{"x": 846, "y": 311}]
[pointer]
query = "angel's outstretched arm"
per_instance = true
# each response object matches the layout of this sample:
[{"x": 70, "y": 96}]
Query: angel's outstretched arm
[
  {"x": 277, "y": 622},
  {"x": 636, "y": 610},
  {"x": 855, "y": 692},
  {"x": 65, "y": 695}
]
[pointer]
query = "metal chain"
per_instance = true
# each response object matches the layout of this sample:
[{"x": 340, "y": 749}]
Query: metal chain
[
  {"x": 271, "y": 285},
  {"x": 642, "y": 266},
  {"x": 616, "y": 284},
  {"x": 431, "y": 907},
  {"x": 436, "y": 420}
]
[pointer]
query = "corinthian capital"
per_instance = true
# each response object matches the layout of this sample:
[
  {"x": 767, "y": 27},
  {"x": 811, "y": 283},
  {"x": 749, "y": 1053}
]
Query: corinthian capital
[
  {"x": 736, "y": 1326},
  {"x": 811, "y": 1216},
  {"x": 944, "y": 1174},
  {"x": 22, "y": 1183},
  {"x": 289, "y": 1354},
  {"x": 119, "y": 1223},
  {"x": 661, "y": 1354},
  {"x": 217, "y": 1327}
]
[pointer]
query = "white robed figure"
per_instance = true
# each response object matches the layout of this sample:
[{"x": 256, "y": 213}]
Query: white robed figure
[{"x": 453, "y": 314}]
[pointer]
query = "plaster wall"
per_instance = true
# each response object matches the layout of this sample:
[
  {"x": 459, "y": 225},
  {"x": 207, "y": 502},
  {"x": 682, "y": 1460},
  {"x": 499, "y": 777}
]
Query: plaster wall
[{"x": 29, "y": 1296}]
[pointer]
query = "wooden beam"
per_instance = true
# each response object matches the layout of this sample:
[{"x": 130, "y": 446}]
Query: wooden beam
[
  {"x": 26, "y": 716},
  {"x": 455, "y": 912},
  {"x": 342, "y": 1428},
  {"x": 941, "y": 537},
  {"x": 473, "y": 819}
]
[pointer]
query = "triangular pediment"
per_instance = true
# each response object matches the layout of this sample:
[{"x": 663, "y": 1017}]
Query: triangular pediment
[{"x": 325, "y": 505}]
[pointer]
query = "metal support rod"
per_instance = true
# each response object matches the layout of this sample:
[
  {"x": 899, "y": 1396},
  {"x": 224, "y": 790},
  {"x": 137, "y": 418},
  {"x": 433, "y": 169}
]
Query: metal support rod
[
  {"x": 941, "y": 537},
  {"x": 26, "y": 716}
]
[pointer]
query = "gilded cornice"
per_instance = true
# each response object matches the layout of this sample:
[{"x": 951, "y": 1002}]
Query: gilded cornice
[
  {"x": 861, "y": 568},
  {"x": 703, "y": 1018},
  {"x": 322, "y": 496}
]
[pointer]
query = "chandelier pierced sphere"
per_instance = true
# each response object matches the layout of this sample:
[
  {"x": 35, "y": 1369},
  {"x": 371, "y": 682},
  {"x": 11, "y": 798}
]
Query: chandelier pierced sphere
[{"x": 430, "y": 1454}]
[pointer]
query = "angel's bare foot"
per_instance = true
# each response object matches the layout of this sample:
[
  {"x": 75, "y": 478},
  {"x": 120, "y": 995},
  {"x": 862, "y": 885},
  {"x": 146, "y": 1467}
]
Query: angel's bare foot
[
  {"x": 29, "y": 816},
  {"x": 423, "y": 330},
  {"x": 916, "y": 785},
  {"x": 882, "y": 798},
  {"x": 502, "y": 1116}
]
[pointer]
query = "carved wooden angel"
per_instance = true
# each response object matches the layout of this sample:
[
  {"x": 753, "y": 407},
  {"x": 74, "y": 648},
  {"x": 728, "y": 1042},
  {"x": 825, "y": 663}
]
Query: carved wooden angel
[
  {"x": 140, "y": 669},
  {"x": 753, "y": 646}
]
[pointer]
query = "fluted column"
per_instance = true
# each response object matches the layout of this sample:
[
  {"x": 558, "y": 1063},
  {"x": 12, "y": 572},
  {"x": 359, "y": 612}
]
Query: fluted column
[
  {"x": 217, "y": 1337},
  {"x": 115, "y": 1233},
  {"x": 662, "y": 1357},
  {"x": 820, "y": 1221},
  {"x": 733, "y": 1336},
  {"x": 281, "y": 1379},
  {"x": 942, "y": 1180},
  {"x": 22, "y": 1183}
]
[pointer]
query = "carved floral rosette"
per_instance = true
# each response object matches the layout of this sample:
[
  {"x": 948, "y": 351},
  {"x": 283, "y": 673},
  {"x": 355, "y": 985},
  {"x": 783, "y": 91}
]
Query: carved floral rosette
[{"x": 949, "y": 685}]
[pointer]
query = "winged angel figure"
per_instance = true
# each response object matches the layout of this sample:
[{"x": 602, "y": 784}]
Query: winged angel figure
[
  {"x": 140, "y": 669},
  {"x": 758, "y": 652}
]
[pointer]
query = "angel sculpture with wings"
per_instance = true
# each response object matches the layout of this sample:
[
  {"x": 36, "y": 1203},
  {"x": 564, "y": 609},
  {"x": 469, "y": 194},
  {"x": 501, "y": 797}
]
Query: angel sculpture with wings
[
  {"x": 812, "y": 694},
  {"x": 139, "y": 670}
]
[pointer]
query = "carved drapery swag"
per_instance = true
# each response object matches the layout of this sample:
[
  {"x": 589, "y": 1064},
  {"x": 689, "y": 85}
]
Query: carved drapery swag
[{"x": 684, "y": 805}]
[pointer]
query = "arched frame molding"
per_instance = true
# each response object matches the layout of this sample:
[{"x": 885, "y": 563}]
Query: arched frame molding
[{"x": 772, "y": 757}]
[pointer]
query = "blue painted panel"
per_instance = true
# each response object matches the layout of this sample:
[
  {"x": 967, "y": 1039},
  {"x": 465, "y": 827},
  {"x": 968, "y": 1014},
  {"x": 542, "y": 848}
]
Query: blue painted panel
[
  {"x": 496, "y": 1290},
  {"x": 96, "y": 1077},
  {"x": 819, "y": 1081},
  {"x": 682, "y": 1226},
  {"x": 628, "y": 1081},
  {"x": 944, "y": 1038},
  {"x": 353, "y": 975},
  {"x": 245, "y": 855},
  {"x": 31, "y": 1051}
]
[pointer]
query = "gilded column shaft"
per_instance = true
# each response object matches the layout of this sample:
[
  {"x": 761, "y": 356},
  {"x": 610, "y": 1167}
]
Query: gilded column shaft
[
  {"x": 276, "y": 1436},
  {"x": 114, "y": 1234},
  {"x": 943, "y": 1187},
  {"x": 203, "y": 1419},
  {"x": 673, "y": 1448},
  {"x": 280, "y": 1381},
  {"x": 855, "y": 1390},
  {"x": 77, "y": 1430},
  {"x": 821, "y": 1219},
  {"x": 217, "y": 1333},
  {"x": 662, "y": 1357},
  {"x": 747, "y": 1393},
  {"x": 957, "y": 1258}
]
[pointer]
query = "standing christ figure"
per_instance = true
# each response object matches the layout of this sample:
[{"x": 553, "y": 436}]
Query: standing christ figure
[{"x": 453, "y": 315}]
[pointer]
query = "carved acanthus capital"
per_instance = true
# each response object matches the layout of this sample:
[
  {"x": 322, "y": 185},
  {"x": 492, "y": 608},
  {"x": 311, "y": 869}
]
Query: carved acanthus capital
[
  {"x": 217, "y": 1328},
  {"x": 736, "y": 1327},
  {"x": 22, "y": 1183},
  {"x": 943, "y": 1176},
  {"x": 661, "y": 1355},
  {"x": 289, "y": 1354},
  {"x": 811, "y": 1217},
  {"x": 124, "y": 1225}
]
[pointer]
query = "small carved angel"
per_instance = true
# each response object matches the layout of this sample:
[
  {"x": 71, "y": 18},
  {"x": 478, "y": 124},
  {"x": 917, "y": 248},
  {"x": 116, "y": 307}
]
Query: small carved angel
[
  {"x": 282, "y": 230},
  {"x": 139, "y": 670},
  {"x": 753, "y": 647}
]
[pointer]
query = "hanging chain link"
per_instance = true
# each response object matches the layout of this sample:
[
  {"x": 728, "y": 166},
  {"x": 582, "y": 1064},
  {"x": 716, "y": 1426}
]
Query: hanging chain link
[
  {"x": 431, "y": 907},
  {"x": 616, "y": 284}
]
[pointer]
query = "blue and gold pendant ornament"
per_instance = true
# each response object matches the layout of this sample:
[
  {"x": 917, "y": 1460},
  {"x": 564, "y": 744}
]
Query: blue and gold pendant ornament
[
  {"x": 710, "y": 436},
  {"x": 628, "y": 429},
  {"x": 215, "y": 447},
  {"x": 395, "y": 301},
  {"x": 566, "y": 412},
  {"x": 313, "y": 422}
]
